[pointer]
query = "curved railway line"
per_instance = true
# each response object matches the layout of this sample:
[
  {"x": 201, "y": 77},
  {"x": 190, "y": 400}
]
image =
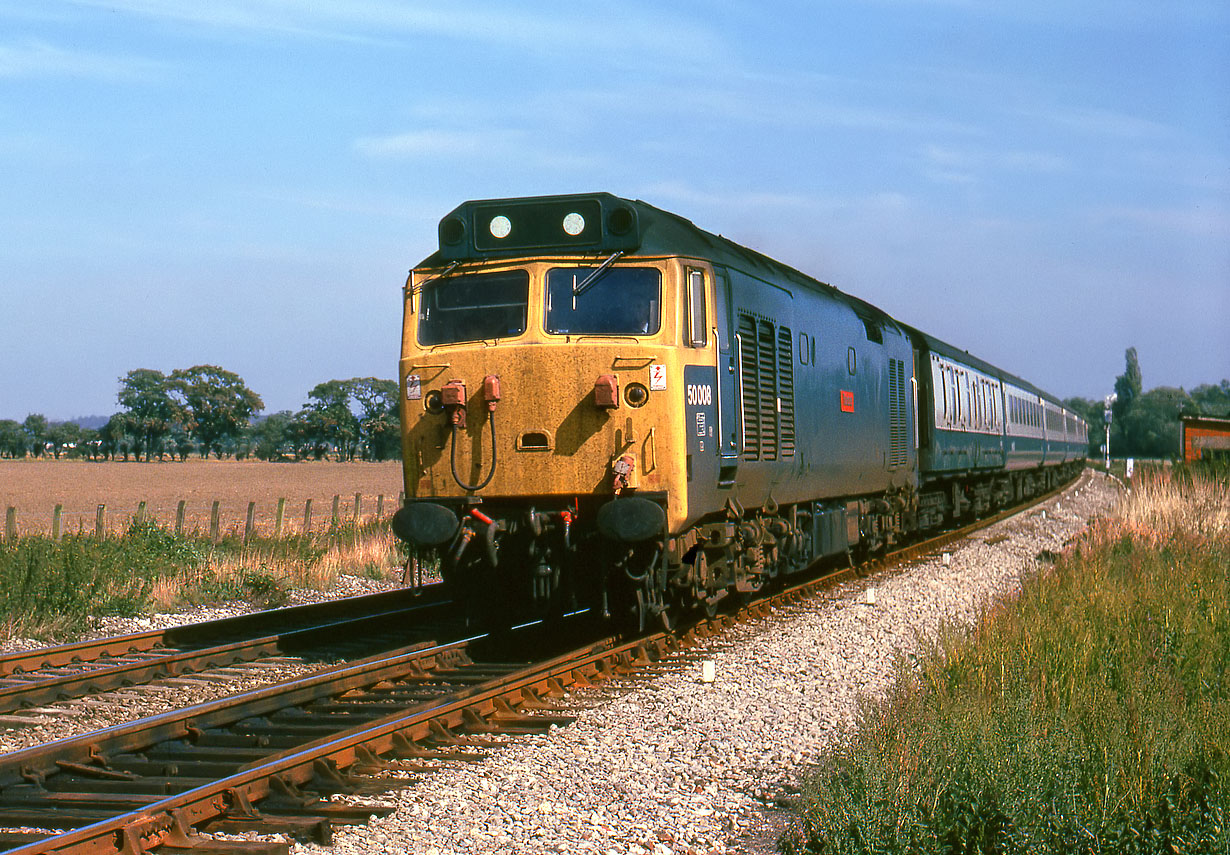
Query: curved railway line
[{"x": 271, "y": 760}]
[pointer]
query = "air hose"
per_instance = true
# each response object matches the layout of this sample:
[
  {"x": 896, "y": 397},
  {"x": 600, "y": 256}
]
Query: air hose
[{"x": 452, "y": 457}]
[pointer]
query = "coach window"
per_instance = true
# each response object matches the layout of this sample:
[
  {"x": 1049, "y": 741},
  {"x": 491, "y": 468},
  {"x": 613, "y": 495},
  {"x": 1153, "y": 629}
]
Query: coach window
[{"x": 698, "y": 326}]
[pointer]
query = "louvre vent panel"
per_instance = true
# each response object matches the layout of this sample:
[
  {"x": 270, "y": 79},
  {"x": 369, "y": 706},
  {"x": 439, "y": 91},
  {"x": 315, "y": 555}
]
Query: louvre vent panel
[
  {"x": 897, "y": 452},
  {"x": 767, "y": 354},
  {"x": 785, "y": 390},
  {"x": 750, "y": 369},
  {"x": 766, "y": 389}
]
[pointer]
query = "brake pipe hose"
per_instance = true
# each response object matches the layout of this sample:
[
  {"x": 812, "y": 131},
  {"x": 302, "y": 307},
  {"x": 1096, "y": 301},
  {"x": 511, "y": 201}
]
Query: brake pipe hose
[{"x": 452, "y": 457}]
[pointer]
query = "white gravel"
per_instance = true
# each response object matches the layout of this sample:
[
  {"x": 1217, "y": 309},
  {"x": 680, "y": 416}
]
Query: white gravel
[{"x": 674, "y": 765}]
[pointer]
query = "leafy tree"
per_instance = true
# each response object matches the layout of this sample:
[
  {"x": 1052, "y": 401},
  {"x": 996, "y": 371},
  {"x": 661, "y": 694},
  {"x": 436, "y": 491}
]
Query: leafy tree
[
  {"x": 61, "y": 435},
  {"x": 311, "y": 431},
  {"x": 273, "y": 436},
  {"x": 332, "y": 423},
  {"x": 146, "y": 394},
  {"x": 89, "y": 444},
  {"x": 1213, "y": 400},
  {"x": 118, "y": 436},
  {"x": 378, "y": 423},
  {"x": 219, "y": 402},
  {"x": 1151, "y": 427},
  {"x": 12, "y": 439},
  {"x": 35, "y": 427},
  {"x": 1127, "y": 386}
]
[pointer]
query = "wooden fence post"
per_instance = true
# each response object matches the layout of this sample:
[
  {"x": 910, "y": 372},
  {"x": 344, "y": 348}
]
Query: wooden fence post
[
  {"x": 57, "y": 521},
  {"x": 337, "y": 505},
  {"x": 307, "y": 517},
  {"x": 379, "y": 507},
  {"x": 251, "y": 522},
  {"x": 214, "y": 533},
  {"x": 401, "y": 498},
  {"x": 10, "y": 523},
  {"x": 141, "y": 512},
  {"x": 358, "y": 509},
  {"x": 277, "y": 525},
  {"x": 100, "y": 522},
  {"x": 179, "y": 517}
]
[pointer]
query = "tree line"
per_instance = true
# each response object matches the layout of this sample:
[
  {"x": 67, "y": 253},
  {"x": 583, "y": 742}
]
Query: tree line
[
  {"x": 207, "y": 410},
  {"x": 1146, "y": 424}
]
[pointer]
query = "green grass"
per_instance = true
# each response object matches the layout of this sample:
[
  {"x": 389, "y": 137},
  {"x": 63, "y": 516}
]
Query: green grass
[
  {"x": 1089, "y": 714},
  {"x": 56, "y": 589}
]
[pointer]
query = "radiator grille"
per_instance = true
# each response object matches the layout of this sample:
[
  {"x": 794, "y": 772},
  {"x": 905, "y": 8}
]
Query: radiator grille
[
  {"x": 897, "y": 451},
  {"x": 767, "y": 355}
]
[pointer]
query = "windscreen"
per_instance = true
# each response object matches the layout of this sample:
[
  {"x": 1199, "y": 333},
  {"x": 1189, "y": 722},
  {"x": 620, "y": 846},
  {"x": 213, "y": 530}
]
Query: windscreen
[
  {"x": 474, "y": 307},
  {"x": 619, "y": 301}
]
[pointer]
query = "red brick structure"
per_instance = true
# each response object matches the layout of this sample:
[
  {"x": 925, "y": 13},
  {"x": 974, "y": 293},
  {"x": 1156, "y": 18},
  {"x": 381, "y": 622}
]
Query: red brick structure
[{"x": 1204, "y": 437}]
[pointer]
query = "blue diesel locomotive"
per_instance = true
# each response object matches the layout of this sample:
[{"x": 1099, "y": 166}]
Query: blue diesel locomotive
[{"x": 605, "y": 407}]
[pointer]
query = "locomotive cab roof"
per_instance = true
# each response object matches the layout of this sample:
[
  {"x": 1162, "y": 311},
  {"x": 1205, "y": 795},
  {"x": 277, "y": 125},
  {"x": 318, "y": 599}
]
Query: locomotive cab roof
[{"x": 599, "y": 225}]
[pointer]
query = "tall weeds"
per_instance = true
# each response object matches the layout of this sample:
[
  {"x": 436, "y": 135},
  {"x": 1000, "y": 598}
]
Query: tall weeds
[
  {"x": 1089, "y": 714},
  {"x": 55, "y": 588}
]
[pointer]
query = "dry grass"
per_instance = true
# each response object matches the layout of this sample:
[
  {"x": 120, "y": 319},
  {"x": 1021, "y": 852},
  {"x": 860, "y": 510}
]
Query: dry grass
[{"x": 1091, "y": 713}]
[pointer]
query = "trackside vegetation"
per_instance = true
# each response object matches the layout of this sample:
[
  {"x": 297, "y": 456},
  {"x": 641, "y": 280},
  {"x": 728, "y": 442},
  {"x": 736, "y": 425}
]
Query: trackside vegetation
[
  {"x": 1091, "y": 713},
  {"x": 51, "y": 588}
]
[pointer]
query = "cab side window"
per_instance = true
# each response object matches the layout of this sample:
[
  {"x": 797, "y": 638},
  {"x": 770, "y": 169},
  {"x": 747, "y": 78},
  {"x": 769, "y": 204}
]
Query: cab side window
[{"x": 698, "y": 324}]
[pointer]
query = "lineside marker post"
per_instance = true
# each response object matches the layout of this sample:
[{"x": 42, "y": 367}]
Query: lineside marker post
[
  {"x": 57, "y": 521},
  {"x": 307, "y": 517},
  {"x": 100, "y": 522},
  {"x": 379, "y": 507},
  {"x": 250, "y": 523},
  {"x": 214, "y": 534},
  {"x": 277, "y": 524},
  {"x": 179, "y": 516},
  {"x": 10, "y": 523},
  {"x": 141, "y": 512},
  {"x": 337, "y": 505}
]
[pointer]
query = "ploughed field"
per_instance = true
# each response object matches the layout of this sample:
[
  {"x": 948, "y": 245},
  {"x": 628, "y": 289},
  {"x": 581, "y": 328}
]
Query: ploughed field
[{"x": 35, "y": 487}]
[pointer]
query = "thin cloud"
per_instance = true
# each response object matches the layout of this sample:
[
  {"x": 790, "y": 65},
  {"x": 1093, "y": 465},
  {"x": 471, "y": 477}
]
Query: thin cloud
[
  {"x": 1199, "y": 220},
  {"x": 625, "y": 30},
  {"x": 34, "y": 59}
]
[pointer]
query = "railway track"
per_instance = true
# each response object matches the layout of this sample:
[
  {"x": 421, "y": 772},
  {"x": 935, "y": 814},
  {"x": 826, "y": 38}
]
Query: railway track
[
  {"x": 272, "y": 760},
  {"x": 350, "y": 627}
]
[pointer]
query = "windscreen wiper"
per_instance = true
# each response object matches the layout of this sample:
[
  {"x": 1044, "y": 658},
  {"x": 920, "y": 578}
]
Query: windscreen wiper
[{"x": 588, "y": 282}]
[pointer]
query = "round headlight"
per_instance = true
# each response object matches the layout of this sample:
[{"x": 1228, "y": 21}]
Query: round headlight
[
  {"x": 636, "y": 395},
  {"x": 574, "y": 224},
  {"x": 500, "y": 226}
]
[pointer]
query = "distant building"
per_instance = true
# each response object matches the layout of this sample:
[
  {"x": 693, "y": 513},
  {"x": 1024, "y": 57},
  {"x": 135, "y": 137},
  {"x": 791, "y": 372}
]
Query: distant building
[{"x": 1204, "y": 437}]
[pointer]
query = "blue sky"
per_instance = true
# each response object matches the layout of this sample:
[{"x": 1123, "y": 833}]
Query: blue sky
[{"x": 246, "y": 182}]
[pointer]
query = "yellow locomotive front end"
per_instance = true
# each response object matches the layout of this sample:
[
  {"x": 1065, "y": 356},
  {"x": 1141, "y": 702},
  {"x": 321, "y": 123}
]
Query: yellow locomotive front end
[{"x": 541, "y": 384}]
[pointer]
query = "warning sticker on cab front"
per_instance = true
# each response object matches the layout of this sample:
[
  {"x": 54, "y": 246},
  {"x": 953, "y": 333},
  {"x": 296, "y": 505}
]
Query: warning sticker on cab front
[
  {"x": 847, "y": 401},
  {"x": 657, "y": 378}
]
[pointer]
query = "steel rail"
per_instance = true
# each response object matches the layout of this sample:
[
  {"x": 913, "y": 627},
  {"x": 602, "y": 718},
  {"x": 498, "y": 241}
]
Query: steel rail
[
  {"x": 213, "y": 631},
  {"x": 493, "y": 702},
  {"x": 146, "y": 660}
]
